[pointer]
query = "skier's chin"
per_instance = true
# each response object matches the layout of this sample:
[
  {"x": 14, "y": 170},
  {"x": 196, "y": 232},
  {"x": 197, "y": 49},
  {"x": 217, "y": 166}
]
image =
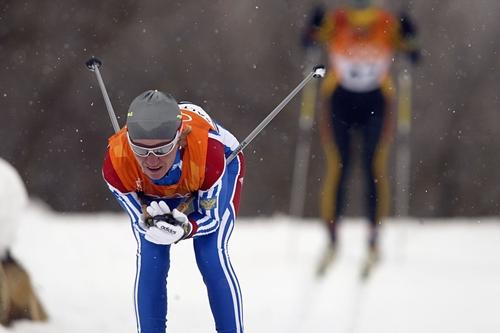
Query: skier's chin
[{"x": 155, "y": 172}]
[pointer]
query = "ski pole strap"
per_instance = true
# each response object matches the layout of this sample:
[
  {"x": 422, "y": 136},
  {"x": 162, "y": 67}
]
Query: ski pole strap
[{"x": 169, "y": 218}]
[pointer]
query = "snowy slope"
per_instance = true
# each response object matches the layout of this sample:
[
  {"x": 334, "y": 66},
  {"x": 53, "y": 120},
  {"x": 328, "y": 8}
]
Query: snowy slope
[{"x": 432, "y": 278}]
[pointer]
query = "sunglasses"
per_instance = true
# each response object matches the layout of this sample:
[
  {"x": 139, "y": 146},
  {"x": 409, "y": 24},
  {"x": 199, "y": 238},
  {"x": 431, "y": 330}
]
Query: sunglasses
[{"x": 157, "y": 151}]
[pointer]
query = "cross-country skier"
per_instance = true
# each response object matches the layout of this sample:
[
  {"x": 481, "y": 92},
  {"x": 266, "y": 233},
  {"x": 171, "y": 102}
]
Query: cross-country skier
[
  {"x": 165, "y": 153},
  {"x": 357, "y": 96}
]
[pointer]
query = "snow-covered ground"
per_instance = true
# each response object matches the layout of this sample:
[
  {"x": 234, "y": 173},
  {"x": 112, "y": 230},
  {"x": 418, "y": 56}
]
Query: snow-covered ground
[{"x": 435, "y": 276}]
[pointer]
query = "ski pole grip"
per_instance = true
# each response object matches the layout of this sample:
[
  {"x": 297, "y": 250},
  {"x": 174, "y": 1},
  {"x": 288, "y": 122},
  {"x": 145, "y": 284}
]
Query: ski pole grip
[
  {"x": 93, "y": 63},
  {"x": 319, "y": 71}
]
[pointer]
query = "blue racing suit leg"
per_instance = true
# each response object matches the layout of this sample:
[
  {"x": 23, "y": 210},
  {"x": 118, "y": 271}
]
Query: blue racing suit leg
[
  {"x": 222, "y": 284},
  {"x": 213, "y": 261},
  {"x": 153, "y": 262}
]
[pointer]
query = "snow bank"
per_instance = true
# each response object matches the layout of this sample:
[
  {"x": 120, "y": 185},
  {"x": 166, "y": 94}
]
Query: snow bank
[{"x": 13, "y": 199}]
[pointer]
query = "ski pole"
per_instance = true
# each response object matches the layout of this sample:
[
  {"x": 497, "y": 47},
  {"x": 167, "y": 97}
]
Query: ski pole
[
  {"x": 93, "y": 64},
  {"x": 317, "y": 72}
]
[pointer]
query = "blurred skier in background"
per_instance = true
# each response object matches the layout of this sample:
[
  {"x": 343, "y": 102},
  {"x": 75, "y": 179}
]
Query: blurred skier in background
[
  {"x": 357, "y": 96},
  {"x": 166, "y": 153},
  {"x": 17, "y": 296}
]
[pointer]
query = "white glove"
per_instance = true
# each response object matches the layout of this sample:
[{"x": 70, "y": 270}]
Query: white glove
[{"x": 171, "y": 228}]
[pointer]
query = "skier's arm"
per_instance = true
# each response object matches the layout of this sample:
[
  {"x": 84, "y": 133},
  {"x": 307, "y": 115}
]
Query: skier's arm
[
  {"x": 211, "y": 197},
  {"x": 129, "y": 201},
  {"x": 132, "y": 205}
]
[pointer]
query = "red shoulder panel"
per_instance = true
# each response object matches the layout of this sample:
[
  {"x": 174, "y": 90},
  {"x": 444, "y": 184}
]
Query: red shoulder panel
[
  {"x": 214, "y": 166},
  {"x": 110, "y": 175}
]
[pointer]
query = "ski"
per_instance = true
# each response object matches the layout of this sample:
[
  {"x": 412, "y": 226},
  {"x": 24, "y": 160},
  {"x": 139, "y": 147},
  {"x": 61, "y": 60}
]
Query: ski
[
  {"x": 368, "y": 264},
  {"x": 326, "y": 261}
]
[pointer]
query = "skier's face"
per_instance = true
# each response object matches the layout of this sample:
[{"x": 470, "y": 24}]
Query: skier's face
[{"x": 153, "y": 166}]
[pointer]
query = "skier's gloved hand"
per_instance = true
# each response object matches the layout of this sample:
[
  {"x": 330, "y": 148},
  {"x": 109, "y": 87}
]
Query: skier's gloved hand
[
  {"x": 408, "y": 28},
  {"x": 409, "y": 33},
  {"x": 169, "y": 226},
  {"x": 157, "y": 208},
  {"x": 315, "y": 21},
  {"x": 317, "y": 16}
]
